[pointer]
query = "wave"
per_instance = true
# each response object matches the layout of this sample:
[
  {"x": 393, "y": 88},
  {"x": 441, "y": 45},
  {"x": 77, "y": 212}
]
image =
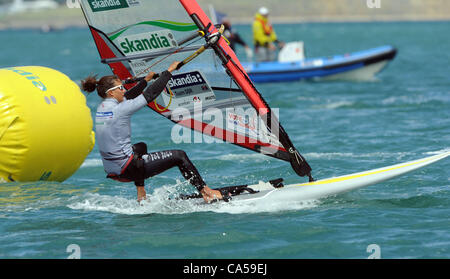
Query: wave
[
  {"x": 92, "y": 163},
  {"x": 32, "y": 196},
  {"x": 445, "y": 150},
  {"x": 335, "y": 105},
  {"x": 325, "y": 155},
  {"x": 415, "y": 100},
  {"x": 420, "y": 201},
  {"x": 163, "y": 201},
  {"x": 334, "y": 155},
  {"x": 243, "y": 157}
]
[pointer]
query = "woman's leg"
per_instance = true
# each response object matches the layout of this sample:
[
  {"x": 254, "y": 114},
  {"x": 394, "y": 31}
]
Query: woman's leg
[{"x": 158, "y": 162}]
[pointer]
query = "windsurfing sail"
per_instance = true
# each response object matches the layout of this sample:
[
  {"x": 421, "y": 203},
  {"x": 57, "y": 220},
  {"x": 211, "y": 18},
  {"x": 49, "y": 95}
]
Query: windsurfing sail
[
  {"x": 212, "y": 95},
  {"x": 216, "y": 16}
]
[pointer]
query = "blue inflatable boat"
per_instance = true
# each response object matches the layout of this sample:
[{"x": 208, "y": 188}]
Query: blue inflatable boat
[{"x": 356, "y": 66}]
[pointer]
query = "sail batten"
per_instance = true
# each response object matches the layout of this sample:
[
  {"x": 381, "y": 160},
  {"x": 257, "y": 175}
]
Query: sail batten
[{"x": 135, "y": 37}]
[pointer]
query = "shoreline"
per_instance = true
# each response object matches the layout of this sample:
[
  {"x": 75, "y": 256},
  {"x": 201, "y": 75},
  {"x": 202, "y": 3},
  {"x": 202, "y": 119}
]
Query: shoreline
[
  {"x": 54, "y": 25},
  {"x": 63, "y": 18}
]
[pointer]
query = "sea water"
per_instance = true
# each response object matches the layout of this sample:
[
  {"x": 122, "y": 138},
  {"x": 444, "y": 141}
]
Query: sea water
[{"x": 339, "y": 127}]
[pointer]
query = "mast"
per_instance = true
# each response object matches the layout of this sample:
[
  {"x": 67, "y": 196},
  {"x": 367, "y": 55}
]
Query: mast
[{"x": 235, "y": 69}]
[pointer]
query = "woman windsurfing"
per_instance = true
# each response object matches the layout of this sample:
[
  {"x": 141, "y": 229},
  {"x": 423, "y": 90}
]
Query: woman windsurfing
[{"x": 123, "y": 161}]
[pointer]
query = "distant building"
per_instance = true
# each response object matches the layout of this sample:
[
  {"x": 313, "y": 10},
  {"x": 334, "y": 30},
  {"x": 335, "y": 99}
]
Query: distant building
[{"x": 19, "y": 6}]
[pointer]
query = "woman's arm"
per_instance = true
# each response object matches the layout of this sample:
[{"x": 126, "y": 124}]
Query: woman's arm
[
  {"x": 153, "y": 91},
  {"x": 136, "y": 90},
  {"x": 237, "y": 39},
  {"x": 131, "y": 106}
]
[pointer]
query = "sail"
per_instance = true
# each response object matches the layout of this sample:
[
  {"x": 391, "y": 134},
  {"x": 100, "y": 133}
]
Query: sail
[{"x": 212, "y": 95}]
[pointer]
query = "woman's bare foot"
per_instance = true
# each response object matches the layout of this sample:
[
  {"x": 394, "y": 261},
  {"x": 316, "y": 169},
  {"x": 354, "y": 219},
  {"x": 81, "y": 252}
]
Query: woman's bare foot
[
  {"x": 210, "y": 195},
  {"x": 141, "y": 194}
]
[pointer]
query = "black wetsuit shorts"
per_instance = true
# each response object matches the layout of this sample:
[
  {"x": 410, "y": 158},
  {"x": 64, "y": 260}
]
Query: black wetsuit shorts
[{"x": 145, "y": 165}]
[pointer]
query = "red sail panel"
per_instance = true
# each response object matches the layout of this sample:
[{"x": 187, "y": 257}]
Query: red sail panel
[{"x": 107, "y": 52}]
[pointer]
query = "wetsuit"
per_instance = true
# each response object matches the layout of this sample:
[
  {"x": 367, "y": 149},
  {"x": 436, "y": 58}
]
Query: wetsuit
[
  {"x": 126, "y": 162},
  {"x": 233, "y": 38}
]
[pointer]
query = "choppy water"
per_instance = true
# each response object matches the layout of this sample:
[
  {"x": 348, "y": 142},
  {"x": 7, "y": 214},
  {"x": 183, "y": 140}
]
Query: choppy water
[{"x": 340, "y": 127}]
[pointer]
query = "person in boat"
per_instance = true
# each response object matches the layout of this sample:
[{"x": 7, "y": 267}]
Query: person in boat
[
  {"x": 234, "y": 38},
  {"x": 264, "y": 36},
  {"x": 123, "y": 161}
]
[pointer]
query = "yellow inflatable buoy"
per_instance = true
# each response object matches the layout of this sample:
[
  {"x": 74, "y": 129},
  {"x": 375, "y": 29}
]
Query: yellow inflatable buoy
[{"x": 45, "y": 125}]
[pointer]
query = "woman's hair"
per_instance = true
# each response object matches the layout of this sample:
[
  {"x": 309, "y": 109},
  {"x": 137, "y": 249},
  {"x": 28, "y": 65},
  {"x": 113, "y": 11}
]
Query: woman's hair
[{"x": 91, "y": 83}]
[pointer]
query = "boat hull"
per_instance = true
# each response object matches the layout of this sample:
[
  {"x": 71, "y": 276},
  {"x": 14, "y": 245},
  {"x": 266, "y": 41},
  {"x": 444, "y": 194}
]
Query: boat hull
[{"x": 357, "y": 66}]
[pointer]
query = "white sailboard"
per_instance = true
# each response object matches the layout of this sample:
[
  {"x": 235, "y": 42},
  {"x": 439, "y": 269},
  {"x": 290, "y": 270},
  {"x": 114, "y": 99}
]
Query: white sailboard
[{"x": 335, "y": 185}]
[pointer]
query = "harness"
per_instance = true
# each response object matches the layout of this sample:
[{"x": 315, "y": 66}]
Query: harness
[
  {"x": 134, "y": 168},
  {"x": 266, "y": 26},
  {"x": 119, "y": 177}
]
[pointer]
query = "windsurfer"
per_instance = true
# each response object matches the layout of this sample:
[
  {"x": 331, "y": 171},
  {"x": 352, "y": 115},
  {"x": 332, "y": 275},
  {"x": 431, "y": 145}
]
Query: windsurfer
[
  {"x": 121, "y": 160},
  {"x": 264, "y": 36},
  {"x": 234, "y": 38}
]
